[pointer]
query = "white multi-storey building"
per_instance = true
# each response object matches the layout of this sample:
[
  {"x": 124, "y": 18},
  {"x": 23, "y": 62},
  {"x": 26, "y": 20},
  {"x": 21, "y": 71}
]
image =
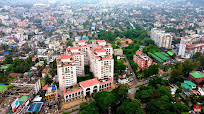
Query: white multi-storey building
[
  {"x": 78, "y": 57},
  {"x": 66, "y": 70},
  {"x": 161, "y": 38},
  {"x": 85, "y": 48},
  {"x": 189, "y": 46},
  {"x": 98, "y": 55},
  {"x": 101, "y": 61}
]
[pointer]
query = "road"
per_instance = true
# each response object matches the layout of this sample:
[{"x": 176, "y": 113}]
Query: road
[
  {"x": 132, "y": 90},
  {"x": 132, "y": 25},
  {"x": 129, "y": 66}
]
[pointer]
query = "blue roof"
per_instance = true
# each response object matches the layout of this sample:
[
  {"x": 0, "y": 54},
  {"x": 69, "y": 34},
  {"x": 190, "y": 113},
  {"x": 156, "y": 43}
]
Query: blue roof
[
  {"x": 13, "y": 45},
  {"x": 76, "y": 35},
  {"x": 85, "y": 38},
  {"x": 51, "y": 26},
  {"x": 53, "y": 88},
  {"x": 6, "y": 52},
  {"x": 74, "y": 30},
  {"x": 2, "y": 83},
  {"x": 35, "y": 107},
  {"x": 47, "y": 29},
  {"x": 80, "y": 31}
]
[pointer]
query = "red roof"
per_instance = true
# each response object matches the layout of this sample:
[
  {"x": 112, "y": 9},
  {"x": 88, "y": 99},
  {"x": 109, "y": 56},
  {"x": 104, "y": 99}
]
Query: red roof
[
  {"x": 81, "y": 41},
  {"x": 45, "y": 87},
  {"x": 65, "y": 56},
  {"x": 90, "y": 82},
  {"x": 101, "y": 50},
  {"x": 66, "y": 65},
  {"x": 97, "y": 57},
  {"x": 101, "y": 41},
  {"x": 15, "y": 74},
  {"x": 62, "y": 44},
  {"x": 74, "y": 48},
  {"x": 105, "y": 59},
  {"x": 76, "y": 90},
  {"x": 138, "y": 52}
]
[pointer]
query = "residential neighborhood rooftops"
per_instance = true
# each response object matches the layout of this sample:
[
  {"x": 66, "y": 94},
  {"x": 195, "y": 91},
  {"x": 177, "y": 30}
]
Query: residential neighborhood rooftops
[
  {"x": 90, "y": 82},
  {"x": 170, "y": 53},
  {"x": 155, "y": 57},
  {"x": 190, "y": 83},
  {"x": 2, "y": 87},
  {"x": 186, "y": 86},
  {"x": 161, "y": 56},
  {"x": 197, "y": 74},
  {"x": 35, "y": 107},
  {"x": 15, "y": 74},
  {"x": 23, "y": 99}
]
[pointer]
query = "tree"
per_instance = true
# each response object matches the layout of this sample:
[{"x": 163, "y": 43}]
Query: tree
[
  {"x": 158, "y": 80},
  {"x": 128, "y": 107},
  {"x": 53, "y": 72},
  {"x": 146, "y": 73},
  {"x": 188, "y": 66},
  {"x": 56, "y": 83},
  {"x": 8, "y": 60},
  {"x": 123, "y": 89},
  {"x": 48, "y": 80},
  {"x": 89, "y": 109},
  {"x": 201, "y": 61},
  {"x": 176, "y": 73},
  {"x": 65, "y": 112},
  {"x": 69, "y": 43},
  {"x": 118, "y": 43},
  {"x": 36, "y": 60},
  {"x": 104, "y": 99},
  {"x": 144, "y": 93}
]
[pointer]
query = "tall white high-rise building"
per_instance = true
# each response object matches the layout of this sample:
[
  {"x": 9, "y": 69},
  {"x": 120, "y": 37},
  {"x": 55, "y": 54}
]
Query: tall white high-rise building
[
  {"x": 66, "y": 71},
  {"x": 101, "y": 60},
  {"x": 97, "y": 55},
  {"x": 161, "y": 38}
]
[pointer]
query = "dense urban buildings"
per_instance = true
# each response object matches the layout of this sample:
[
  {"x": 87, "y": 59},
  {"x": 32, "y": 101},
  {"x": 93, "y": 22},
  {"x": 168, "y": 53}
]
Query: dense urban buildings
[
  {"x": 101, "y": 56},
  {"x": 161, "y": 38},
  {"x": 142, "y": 59}
]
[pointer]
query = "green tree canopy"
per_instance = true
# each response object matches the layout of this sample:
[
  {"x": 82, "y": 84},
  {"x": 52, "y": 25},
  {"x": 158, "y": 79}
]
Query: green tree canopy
[
  {"x": 128, "y": 107},
  {"x": 105, "y": 99}
]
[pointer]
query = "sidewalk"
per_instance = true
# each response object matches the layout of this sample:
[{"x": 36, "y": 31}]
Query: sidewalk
[{"x": 73, "y": 103}]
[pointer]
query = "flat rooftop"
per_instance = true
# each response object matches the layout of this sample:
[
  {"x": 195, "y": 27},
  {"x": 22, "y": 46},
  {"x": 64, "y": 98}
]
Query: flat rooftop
[{"x": 31, "y": 80}]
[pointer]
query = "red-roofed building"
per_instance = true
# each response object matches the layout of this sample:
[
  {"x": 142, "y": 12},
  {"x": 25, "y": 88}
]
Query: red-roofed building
[
  {"x": 45, "y": 87},
  {"x": 127, "y": 40},
  {"x": 86, "y": 88},
  {"x": 15, "y": 74},
  {"x": 89, "y": 83},
  {"x": 65, "y": 56},
  {"x": 142, "y": 59}
]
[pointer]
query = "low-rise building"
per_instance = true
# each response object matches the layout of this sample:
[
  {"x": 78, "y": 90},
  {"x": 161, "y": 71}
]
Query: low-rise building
[
  {"x": 189, "y": 46},
  {"x": 51, "y": 95},
  {"x": 142, "y": 59},
  {"x": 197, "y": 76},
  {"x": 28, "y": 82},
  {"x": 86, "y": 88}
]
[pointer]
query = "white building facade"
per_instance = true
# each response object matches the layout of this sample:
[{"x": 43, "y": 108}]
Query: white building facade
[{"x": 161, "y": 38}]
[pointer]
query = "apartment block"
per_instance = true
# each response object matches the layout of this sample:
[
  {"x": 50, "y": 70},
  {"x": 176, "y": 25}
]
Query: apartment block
[
  {"x": 189, "y": 46},
  {"x": 101, "y": 60},
  {"x": 161, "y": 38},
  {"x": 142, "y": 60},
  {"x": 66, "y": 71}
]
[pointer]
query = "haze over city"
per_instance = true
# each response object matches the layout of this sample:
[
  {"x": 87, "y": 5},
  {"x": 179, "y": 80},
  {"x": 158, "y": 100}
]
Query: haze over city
[{"x": 102, "y": 56}]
